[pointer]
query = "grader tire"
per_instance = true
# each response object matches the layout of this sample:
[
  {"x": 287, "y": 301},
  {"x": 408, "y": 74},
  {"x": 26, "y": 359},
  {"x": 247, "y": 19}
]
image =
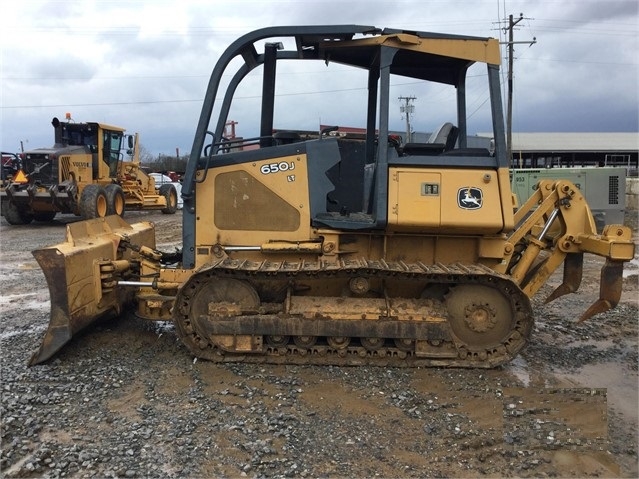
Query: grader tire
[
  {"x": 115, "y": 200},
  {"x": 93, "y": 202},
  {"x": 170, "y": 195},
  {"x": 14, "y": 215}
]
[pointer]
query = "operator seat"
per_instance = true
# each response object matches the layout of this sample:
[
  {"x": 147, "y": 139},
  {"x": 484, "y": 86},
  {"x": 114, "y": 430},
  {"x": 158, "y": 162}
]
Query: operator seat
[
  {"x": 286, "y": 137},
  {"x": 441, "y": 140},
  {"x": 446, "y": 134}
]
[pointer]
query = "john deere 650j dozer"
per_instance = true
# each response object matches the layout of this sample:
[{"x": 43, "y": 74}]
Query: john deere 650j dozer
[{"x": 337, "y": 247}]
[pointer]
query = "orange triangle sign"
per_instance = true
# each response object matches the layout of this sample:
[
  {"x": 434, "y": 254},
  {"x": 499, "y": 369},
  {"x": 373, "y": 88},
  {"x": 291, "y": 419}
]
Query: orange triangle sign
[{"x": 20, "y": 177}]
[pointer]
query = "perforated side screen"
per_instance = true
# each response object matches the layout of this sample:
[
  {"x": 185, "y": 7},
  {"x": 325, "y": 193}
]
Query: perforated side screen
[
  {"x": 613, "y": 190},
  {"x": 243, "y": 203}
]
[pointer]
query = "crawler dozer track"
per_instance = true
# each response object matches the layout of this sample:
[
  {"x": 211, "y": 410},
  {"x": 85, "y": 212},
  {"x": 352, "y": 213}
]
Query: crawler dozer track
[{"x": 458, "y": 315}]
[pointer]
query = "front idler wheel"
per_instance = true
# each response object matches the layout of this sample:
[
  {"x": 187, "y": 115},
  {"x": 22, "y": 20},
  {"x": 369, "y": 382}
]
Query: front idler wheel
[{"x": 203, "y": 301}]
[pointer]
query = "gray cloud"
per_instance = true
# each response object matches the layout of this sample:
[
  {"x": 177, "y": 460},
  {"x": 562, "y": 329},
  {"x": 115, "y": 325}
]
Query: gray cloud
[{"x": 147, "y": 68}]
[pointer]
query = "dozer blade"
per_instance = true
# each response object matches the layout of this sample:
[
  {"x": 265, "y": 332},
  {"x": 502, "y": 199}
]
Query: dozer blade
[
  {"x": 609, "y": 289},
  {"x": 72, "y": 271},
  {"x": 573, "y": 270}
]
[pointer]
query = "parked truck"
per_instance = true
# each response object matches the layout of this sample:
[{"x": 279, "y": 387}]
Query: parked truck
[{"x": 87, "y": 172}]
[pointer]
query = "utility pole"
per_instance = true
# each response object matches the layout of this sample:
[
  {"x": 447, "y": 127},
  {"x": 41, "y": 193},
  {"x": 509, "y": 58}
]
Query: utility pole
[
  {"x": 511, "y": 51},
  {"x": 407, "y": 109}
]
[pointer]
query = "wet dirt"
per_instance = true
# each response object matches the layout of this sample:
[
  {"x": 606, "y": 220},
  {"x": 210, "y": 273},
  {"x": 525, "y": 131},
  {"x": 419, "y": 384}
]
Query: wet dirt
[{"x": 566, "y": 407}]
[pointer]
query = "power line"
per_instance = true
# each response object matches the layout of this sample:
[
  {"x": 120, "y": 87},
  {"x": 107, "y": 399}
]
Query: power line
[
  {"x": 407, "y": 109},
  {"x": 511, "y": 51},
  {"x": 120, "y": 103}
]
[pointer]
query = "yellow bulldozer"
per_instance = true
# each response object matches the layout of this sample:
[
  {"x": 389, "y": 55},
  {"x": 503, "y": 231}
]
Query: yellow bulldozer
[
  {"x": 342, "y": 247},
  {"x": 87, "y": 172}
]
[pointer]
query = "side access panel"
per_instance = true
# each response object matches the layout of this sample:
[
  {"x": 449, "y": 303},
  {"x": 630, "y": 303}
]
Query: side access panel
[{"x": 450, "y": 200}]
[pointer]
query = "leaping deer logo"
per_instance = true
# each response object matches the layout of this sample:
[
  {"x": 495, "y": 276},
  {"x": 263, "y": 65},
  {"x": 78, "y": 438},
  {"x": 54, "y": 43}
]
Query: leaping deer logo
[{"x": 469, "y": 198}]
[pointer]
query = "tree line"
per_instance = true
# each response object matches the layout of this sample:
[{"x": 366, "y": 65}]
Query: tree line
[{"x": 162, "y": 162}]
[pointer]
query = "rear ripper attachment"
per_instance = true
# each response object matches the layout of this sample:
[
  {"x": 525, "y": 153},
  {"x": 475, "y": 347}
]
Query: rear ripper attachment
[{"x": 555, "y": 226}]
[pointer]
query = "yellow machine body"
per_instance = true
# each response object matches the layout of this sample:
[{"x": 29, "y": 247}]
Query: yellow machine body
[{"x": 342, "y": 246}]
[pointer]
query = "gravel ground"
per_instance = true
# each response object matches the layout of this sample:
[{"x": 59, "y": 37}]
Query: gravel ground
[{"x": 126, "y": 399}]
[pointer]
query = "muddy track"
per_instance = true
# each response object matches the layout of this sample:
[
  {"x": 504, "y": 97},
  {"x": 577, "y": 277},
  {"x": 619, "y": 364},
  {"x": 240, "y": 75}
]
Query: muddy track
[{"x": 398, "y": 340}]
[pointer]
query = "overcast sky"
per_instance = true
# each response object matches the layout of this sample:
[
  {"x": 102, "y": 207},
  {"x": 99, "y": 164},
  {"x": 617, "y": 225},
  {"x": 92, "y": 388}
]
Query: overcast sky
[{"x": 144, "y": 65}]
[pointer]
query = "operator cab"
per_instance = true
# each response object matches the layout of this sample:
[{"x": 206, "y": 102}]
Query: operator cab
[{"x": 349, "y": 175}]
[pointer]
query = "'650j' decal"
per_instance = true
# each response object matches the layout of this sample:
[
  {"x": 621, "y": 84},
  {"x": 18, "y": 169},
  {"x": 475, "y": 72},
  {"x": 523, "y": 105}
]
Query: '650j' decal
[{"x": 277, "y": 167}]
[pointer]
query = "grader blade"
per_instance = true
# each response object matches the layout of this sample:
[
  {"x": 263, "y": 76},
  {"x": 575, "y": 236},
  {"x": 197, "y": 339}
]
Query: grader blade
[
  {"x": 573, "y": 270},
  {"x": 609, "y": 289},
  {"x": 73, "y": 275}
]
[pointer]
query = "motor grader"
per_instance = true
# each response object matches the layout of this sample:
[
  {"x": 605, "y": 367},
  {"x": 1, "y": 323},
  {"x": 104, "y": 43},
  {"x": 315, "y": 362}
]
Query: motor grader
[
  {"x": 341, "y": 247},
  {"x": 85, "y": 173}
]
